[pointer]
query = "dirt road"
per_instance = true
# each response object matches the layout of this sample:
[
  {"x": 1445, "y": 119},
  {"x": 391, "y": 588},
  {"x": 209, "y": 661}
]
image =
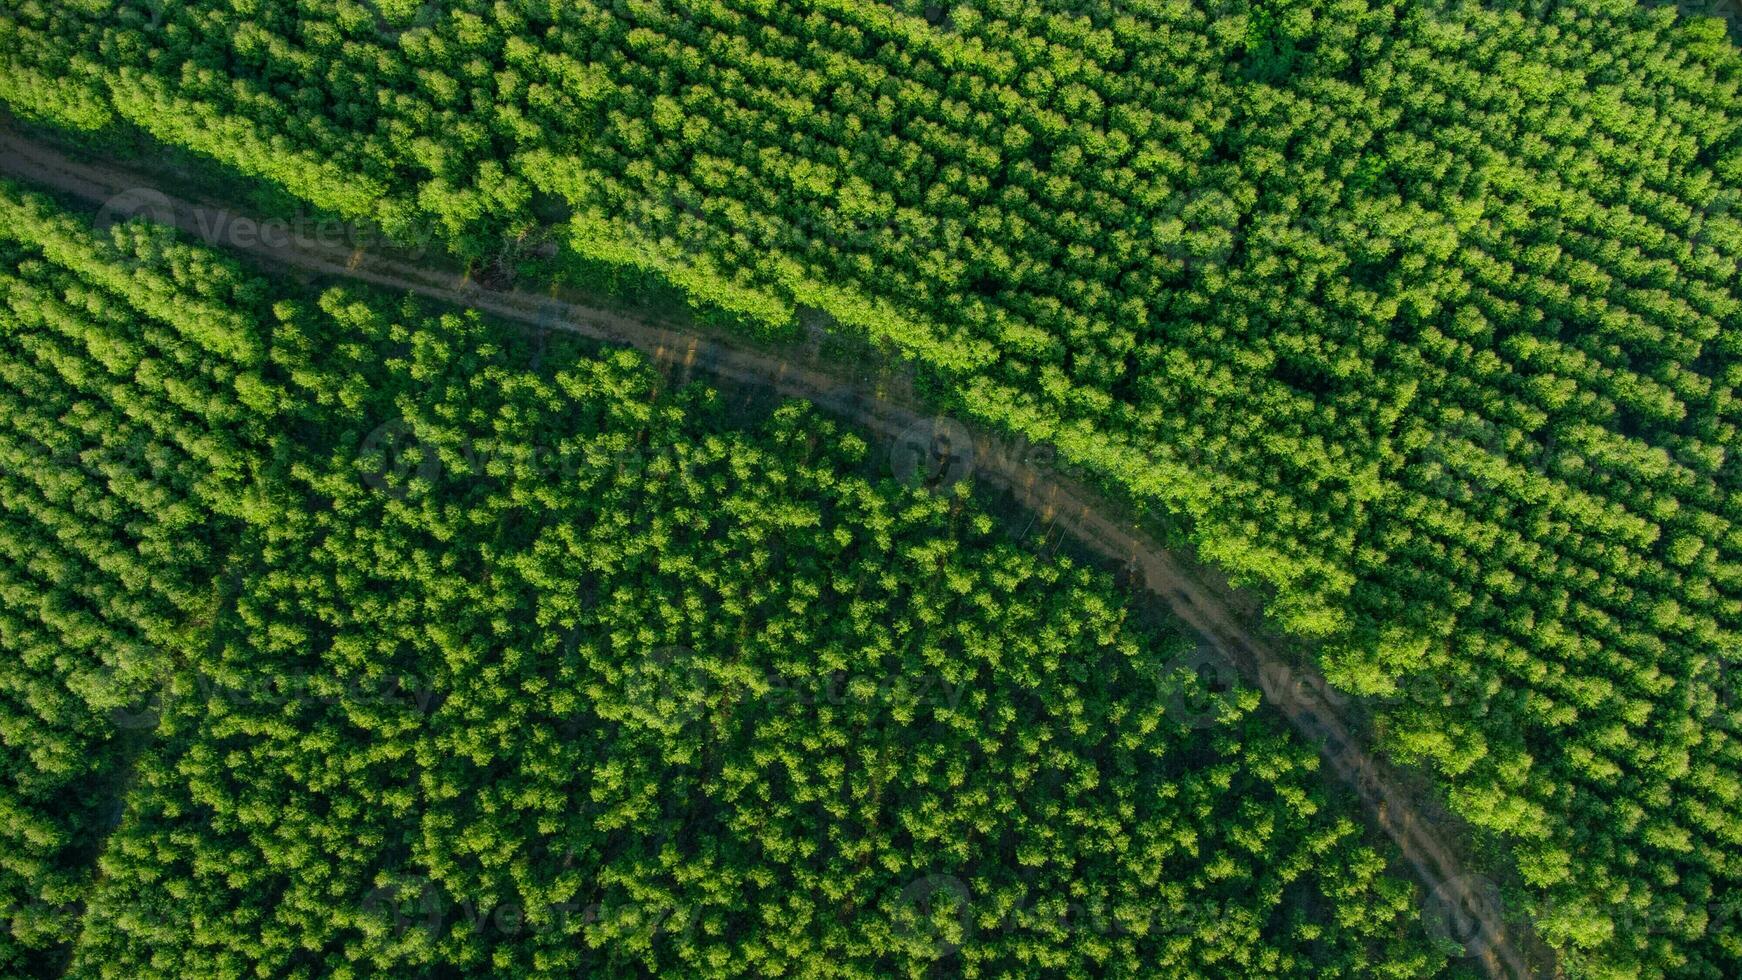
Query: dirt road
[{"x": 1220, "y": 616}]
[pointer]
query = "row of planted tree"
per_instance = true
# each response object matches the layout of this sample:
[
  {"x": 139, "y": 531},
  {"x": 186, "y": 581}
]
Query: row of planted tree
[
  {"x": 1425, "y": 317},
  {"x": 341, "y": 640}
]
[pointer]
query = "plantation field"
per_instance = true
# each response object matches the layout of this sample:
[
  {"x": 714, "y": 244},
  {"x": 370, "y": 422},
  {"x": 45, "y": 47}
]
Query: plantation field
[
  {"x": 1422, "y": 320},
  {"x": 477, "y": 656},
  {"x": 129, "y": 386}
]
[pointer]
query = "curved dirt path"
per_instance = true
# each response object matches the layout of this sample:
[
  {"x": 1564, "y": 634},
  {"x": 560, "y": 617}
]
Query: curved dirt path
[{"x": 1215, "y": 611}]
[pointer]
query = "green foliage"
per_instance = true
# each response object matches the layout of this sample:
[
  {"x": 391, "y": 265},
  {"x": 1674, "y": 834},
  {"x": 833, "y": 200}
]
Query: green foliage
[
  {"x": 464, "y": 667},
  {"x": 612, "y": 687},
  {"x": 1422, "y": 316},
  {"x": 120, "y": 420}
]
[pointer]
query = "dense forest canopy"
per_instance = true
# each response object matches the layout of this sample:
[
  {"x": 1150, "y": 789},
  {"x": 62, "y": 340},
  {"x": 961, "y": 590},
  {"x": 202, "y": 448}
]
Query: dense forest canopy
[
  {"x": 130, "y": 388},
  {"x": 436, "y": 650},
  {"x": 1424, "y": 316}
]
